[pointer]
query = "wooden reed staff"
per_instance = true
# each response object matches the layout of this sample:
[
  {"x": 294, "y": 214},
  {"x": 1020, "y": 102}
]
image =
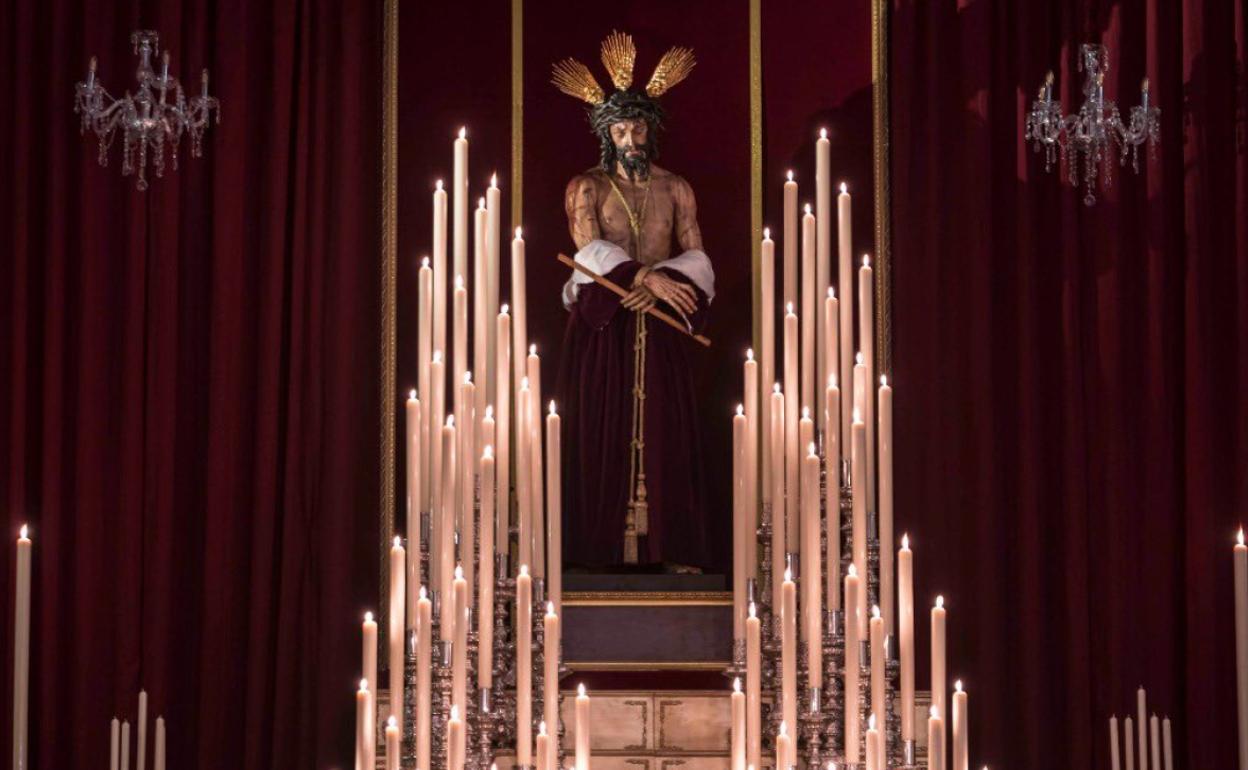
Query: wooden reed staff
[{"x": 654, "y": 311}]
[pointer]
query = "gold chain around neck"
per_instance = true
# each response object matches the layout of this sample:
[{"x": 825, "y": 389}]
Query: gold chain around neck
[{"x": 634, "y": 220}]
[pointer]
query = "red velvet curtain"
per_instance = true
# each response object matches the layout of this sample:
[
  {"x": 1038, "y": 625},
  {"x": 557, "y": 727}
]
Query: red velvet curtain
[
  {"x": 1072, "y": 424},
  {"x": 188, "y": 378}
]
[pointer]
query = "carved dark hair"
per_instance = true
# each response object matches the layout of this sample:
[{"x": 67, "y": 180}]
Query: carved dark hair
[{"x": 626, "y": 105}]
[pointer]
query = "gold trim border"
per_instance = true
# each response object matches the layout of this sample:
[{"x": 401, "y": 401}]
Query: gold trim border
[
  {"x": 389, "y": 291},
  {"x": 756, "y": 169},
  {"x": 647, "y": 598},
  {"x": 517, "y": 114},
  {"x": 646, "y": 665},
  {"x": 881, "y": 164}
]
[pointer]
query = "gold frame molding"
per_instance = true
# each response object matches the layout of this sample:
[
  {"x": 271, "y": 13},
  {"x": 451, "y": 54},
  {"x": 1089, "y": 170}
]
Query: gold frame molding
[
  {"x": 647, "y": 598},
  {"x": 881, "y": 164},
  {"x": 389, "y": 223},
  {"x": 389, "y": 293}
]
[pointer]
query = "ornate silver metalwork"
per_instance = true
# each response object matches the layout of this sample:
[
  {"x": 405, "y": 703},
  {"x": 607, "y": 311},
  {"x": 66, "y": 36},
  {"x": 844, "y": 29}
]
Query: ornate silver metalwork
[
  {"x": 153, "y": 117},
  {"x": 1095, "y": 129}
]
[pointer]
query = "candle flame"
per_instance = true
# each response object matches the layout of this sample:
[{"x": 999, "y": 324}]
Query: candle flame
[
  {"x": 740, "y": 410},
  {"x": 467, "y": 378},
  {"x": 541, "y": 727},
  {"x": 883, "y": 380},
  {"x": 905, "y": 541},
  {"x": 875, "y": 610},
  {"x": 518, "y": 234},
  {"x": 411, "y": 395},
  {"x": 858, "y": 357},
  {"x": 459, "y": 572},
  {"x": 866, "y": 260},
  {"x": 454, "y": 713},
  {"x": 552, "y": 407},
  {"x": 749, "y": 354},
  {"x": 940, "y": 601},
  {"x": 775, "y": 388},
  {"x": 784, "y": 729},
  {"x": 504, "y": 309},
  {"x": 494, "y": 179},
  {"x": 437, "y": 357},
  {"x": 823, "y": 133},
  {"x": 1239, "y": 537},
  {"x": 26, "y": 531},
  {"x": 811, "y": 450},
  {"x": 753, "y": 610},
  {"x": 437, "y": 185},
  {"x": 488, "y": 452},
  {"x": 489, "y": 411},
  {"x": 580, "y": 689},
  {"x": 844, "y": 189},
  {"x": 463, "y": 131},
  {"x": 790, "y": 174},
  {"x": 736, "y": 684},
  {"x": 871, "y": 721},
  {"x": 450, "y": 421},
  {"x": 853, "y": 570},
  {"x": 392, "y": 722},
  {"x": 788, "y": 575},
  {"x": 550, "y": 608},
  {"x": 524, "y": 383},
  {"x": 788, "y": 308},
  {"x": 766, "y": 233},
  {"x": 424, "y": 262},
  {"x": 533, "y": 349},
  {"x": 934, "y": 712},
  {"x": 363, "y": 685},
  {"x": 398, "y": 542},
  {"x": 958, "y": 685},
  {"x": 481, "y": 202},
  {"x": 805, "y": 413},
  {"x": 831, "y": 292},
  {"x": 857, "y": 417},
  {"x": 831, "y": 380},
  {"x": 459, "y": 282},
  {"x": 808, "y": 209},
  {"x": 368, "y": 617},
  {"x": 424, "y": 592},
  {"x": 524, "y": 570}
]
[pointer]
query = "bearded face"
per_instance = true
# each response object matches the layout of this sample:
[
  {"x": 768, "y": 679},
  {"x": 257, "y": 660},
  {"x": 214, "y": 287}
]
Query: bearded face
[{"x": 630, "y": 138}]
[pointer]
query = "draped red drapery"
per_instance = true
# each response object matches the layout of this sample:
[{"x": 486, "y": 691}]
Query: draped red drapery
[
  {"x": 188, "y": 379},
  {"x": 1072, "y": 429}
]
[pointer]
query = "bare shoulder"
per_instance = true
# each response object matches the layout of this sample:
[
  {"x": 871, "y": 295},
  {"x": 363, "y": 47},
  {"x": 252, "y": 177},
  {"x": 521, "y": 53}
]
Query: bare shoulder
[
  {"x": 680, "y": 187},
  {"x": 582, "y": 188}
]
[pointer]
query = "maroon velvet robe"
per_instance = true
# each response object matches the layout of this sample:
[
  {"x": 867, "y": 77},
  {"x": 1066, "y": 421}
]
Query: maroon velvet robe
[{"x": 595, "y": 390}]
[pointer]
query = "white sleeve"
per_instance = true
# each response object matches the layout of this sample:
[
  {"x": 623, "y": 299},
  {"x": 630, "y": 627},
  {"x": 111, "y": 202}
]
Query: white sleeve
[
  {"x": 696, "y": 266},
  {"x": 600, "y": 256}
]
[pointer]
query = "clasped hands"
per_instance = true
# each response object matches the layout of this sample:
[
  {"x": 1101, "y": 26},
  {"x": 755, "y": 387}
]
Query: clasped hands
[{"x": 654, "y": 286}]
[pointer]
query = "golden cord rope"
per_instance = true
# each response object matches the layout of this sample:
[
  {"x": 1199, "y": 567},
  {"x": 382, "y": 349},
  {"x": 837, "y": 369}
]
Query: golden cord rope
[{"x": 637, "y": 520}]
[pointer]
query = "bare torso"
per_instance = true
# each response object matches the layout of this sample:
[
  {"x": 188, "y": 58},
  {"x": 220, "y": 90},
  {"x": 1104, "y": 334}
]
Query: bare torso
[{"x": 595, "y": 211}]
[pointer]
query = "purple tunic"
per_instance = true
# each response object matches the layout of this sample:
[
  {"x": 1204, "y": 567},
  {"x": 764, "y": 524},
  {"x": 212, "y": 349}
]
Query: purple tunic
[{"x": 595, "y": 390}]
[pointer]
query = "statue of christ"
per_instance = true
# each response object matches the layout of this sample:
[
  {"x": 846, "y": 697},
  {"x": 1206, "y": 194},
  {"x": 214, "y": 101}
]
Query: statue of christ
[{"x": 632, "y": 464}]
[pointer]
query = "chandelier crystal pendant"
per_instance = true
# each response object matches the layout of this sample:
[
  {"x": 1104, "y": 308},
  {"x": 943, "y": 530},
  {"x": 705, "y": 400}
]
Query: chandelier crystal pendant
[
  {"x": 1095, "y": 129},
  {"x": 153, "y": 117}
]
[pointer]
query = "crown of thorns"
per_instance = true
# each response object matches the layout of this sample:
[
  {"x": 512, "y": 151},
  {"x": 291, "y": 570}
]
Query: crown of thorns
[{"x": 618, "y": 55}]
